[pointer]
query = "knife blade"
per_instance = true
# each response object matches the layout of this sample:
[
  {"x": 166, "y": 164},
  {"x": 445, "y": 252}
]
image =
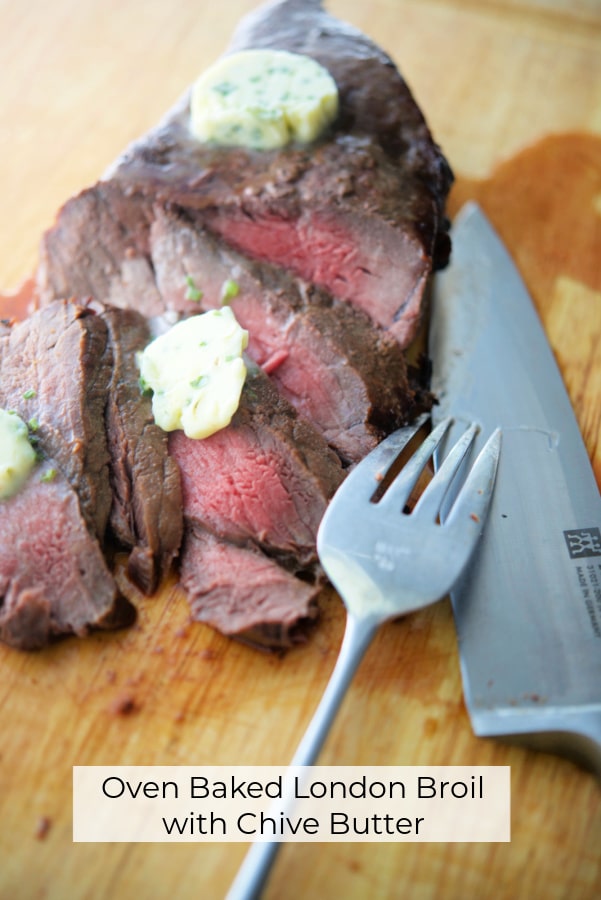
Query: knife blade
[{"x": 528, "y": 610}]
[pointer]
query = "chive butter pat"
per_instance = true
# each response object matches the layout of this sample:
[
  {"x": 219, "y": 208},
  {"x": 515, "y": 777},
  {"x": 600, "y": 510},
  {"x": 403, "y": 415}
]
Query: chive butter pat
[
  {"x": 17, "y": 456},
  {"x": 196, "y": 373},
  {"x": 263, "y": 99}
]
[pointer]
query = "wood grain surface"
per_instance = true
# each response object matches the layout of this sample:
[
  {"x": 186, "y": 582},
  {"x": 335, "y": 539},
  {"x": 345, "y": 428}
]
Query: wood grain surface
[{"x": 512, "y": 92}]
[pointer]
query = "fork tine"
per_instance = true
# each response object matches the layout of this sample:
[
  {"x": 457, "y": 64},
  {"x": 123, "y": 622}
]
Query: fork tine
[
  {"x": 363, "y": 481},
  {"x": 430, "y": 502},
  {"x": 400, "y": 490},
  {"x": 472, "y": 501}
]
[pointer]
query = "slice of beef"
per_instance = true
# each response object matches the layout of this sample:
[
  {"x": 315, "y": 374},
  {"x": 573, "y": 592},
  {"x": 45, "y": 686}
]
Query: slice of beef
[
  {"x": 146, "y": 513},
  {"x": 243, "y": 593},
  {"x": 341, "y": 222},
  {"x": 360, "y": 211},
  {"x": 342, "y": 374},
  {"x": 266, "y": 478},
  {"x": 53, "y": 577},
  {"x": 55, "y": 372},
  {"x": 98, "y": 248}
]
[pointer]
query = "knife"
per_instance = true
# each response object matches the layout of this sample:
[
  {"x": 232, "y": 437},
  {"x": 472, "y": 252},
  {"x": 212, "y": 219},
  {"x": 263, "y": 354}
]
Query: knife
[{"x": 528, "y": 609}]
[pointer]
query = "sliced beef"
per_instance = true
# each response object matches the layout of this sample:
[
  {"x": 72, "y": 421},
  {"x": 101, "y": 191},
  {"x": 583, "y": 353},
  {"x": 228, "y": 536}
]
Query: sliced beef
[
  {"x": 146, "y": 513},
  {"x": 330, "y": 245},
  {"x": 98, "y": 248},
  {"x": 254, "y": 494},
  {"x": 340, "y": 372},
  {"x": 53, "y": 577},
  {"x": 55, "y": 372},
  {"x": 360, "y": 212},
  {"x": 266, "y": 478},
  {"x": 346, "y": 377},
  {"x": 359, "y": 247},
  {"x": 70, "y": 370},
  {"x": 243, "y": 593}
]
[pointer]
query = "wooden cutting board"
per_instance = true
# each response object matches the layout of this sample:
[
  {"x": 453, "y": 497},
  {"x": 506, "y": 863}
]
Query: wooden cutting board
[{"x": 511, "y": 91}]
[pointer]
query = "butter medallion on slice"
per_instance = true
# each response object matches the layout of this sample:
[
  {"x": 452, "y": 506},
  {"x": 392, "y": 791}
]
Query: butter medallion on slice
[
  {"x": 17, "y": 456},
  {"x": 263, "y": 99},
  {"x": 196, "y": 373}
]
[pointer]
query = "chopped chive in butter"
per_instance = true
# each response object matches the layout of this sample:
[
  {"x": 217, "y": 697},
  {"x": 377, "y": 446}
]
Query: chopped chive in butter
[
  {"x": 263, "y": 99},
  {"x": 145, "y": 388},
  {"x": 196, "y": 373}
]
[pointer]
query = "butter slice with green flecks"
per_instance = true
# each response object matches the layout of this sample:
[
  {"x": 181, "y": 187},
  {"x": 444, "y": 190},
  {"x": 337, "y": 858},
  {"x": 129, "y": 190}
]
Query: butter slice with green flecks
[
  {"x": 17, "y": 456},
  {"x": 196, "y": 373},
  {"x": 263, "y": 99}
]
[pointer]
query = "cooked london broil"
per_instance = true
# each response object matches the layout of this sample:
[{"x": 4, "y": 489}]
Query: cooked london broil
[{"x": 297, "y": 186}]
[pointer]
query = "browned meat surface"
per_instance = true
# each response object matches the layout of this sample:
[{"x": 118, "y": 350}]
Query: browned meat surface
[
  {"x": 55, "y": 369},
  {"x": 71, "y": 368},
  {"x": 243, "y": 593},
  {"x": 98, "y": 248},
  {"x": 53, "y": 577},
  {"x": 146, "y": 513}
]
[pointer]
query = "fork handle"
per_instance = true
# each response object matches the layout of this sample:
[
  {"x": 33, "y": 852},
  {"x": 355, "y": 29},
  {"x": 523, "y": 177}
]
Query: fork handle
[{"x": 358, "y": 635}]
